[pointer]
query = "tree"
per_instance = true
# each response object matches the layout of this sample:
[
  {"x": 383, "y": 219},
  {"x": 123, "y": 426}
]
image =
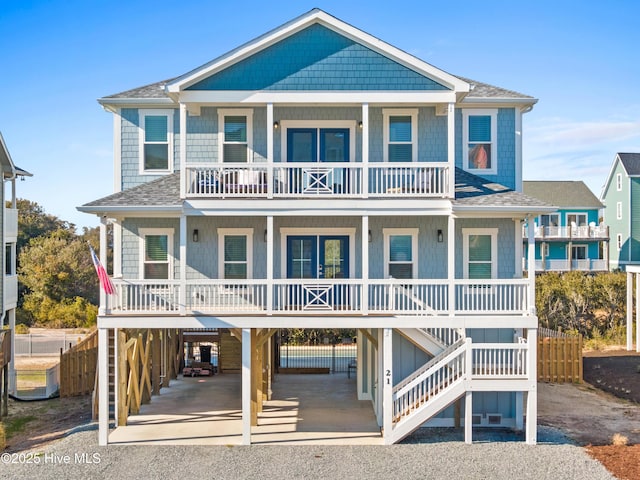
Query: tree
[
  {"x": 60, "y": 277},
  {"x": 34, "y": 222}
]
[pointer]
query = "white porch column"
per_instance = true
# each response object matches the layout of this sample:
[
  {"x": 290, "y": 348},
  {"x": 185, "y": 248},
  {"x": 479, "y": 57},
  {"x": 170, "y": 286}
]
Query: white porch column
[
  {"x": 451, "y": 262},
  {"x": 246, "y": 386},
  {"x": 182, "y": 298},
  {"x": 531, "y": 267},
  {"x": 387, "y": 386},
  {"x": 103, "y": 386},
  {"x": 117, "y": 249},
  {"x": 365, "y": 265},
  {"x": 103, "y": 259},
  {"x": 183, "y": 149},
  {"x": 637, "y": 275},
  {"x": 365, "y": 150},
  {"x": 13, "y": 387},
  {"x": 519, "y": 254},
  {"x": 270, "y": 265},
  {"x": 269, "y": 150},
  {"x": 451, "y": 148},
  {"x": 468, "y": 397},
  {"x": 532, "y": 394},
  {"x": 629, "y": 311}
]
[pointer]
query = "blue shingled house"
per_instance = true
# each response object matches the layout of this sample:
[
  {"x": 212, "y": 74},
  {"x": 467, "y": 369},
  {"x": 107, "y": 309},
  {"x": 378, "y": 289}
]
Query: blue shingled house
[{"x": 319, "y": 177}]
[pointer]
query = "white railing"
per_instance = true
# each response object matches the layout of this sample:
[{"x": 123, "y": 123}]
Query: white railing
[
  {"x": 499, "y": 360},
  {"x": 409, "y": 179},
  {"x": 418, "y": 297},
  {"x": 445, "y": 335},
  {"x": 586, "y": 265},
  {"x": 317, "y": 180},
  {"x": 226, "y": 180},
  {"x": 435, "y": 377},
  {"x": 492, "y": 296},
  {"x": 575, "y": 232},
  {"x": 315, "y": 296}
]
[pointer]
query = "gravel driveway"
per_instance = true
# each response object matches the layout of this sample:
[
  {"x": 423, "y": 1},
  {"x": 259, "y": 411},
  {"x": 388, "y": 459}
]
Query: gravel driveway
[{"x": 78, "y": 457}]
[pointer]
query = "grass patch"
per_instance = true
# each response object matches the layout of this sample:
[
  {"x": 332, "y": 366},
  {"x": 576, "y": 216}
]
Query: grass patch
[{"x": 16, "y": 425}]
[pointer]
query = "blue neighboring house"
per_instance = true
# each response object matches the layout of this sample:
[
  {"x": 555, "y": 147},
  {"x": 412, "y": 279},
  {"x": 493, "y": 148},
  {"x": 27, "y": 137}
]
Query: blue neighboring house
[
  {"x": 319, "y": 177},
  {"x": 573, "y": 237}
]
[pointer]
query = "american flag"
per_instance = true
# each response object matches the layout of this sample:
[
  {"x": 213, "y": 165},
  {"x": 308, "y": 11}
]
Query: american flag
[{"x": 105, "y": 281}]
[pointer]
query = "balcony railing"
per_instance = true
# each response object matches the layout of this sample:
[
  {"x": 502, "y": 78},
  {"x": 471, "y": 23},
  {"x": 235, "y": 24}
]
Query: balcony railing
[
  {"x": 320, "y": 297},
  {"x": 317, "y": 180},
  {"x": 583, "y": 232},
  {"x": 585, "y": 265},
  {"x": 10, "y": 222}
]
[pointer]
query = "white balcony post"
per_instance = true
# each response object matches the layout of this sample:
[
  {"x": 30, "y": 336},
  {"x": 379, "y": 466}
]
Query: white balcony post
[
  {"x": 270, "y": 285},
  {"x": 387, "y": 385},
  {"x": 182, "y": 297},
  {"x": 246, "y": 386},
  {"x": 518, "y": 247},
  {"x": 269, "y": 150},
  {"x": 365, "y": 265},
  {"x": 531, "y": 243},
  {"x": 183, "y": 149},
  {"x": 451, "y": 263},
  {"x": 103, "y": 386},
  {"x": 451, "y": 148},
  {"x": 103, "y": 259},
  {"x": 532, "y": 394},
  {"x": 365, "y": 150},
  {"x": 468, "y": 399}
]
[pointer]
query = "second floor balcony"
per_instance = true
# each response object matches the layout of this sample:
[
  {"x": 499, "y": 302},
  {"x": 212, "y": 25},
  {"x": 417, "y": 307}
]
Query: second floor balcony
[
  {"x": 317, "y": 180},
  {"x": 573, "y": 232}
]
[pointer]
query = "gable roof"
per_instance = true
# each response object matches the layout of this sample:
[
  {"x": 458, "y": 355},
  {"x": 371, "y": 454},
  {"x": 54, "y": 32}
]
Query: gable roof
[
  {"x": 631, "y": 163},
  {"x": 564, "y": 194},
  {"x": 167, "y": 91}
]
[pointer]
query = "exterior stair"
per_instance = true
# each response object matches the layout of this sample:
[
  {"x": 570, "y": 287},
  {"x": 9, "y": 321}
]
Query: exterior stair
[{"x": 431, "y": 340}]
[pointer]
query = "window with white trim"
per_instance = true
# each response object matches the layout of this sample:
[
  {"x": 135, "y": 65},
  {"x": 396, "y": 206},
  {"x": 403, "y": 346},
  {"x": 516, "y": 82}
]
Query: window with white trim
[
  {"x": 479, "y": 141},
  {"x": 156, "y": 253},
  {"x": 9, "y": 259},
  {"x": 619, "y": 241},
  {"x": 235, "y": 135},
  {"x": 235, "y": 252},
  {"x": 619, "y": 182},
  {"x": 400, "y": 252},
  {"x": 578, "y": 252},
  {"x": 550, "y": 223},
  {"x": 480, "y": 252},
  {"x": 156, "y": 141},
  {"x": 400, "y": 134},
  {"x": 619, "y": 210}
]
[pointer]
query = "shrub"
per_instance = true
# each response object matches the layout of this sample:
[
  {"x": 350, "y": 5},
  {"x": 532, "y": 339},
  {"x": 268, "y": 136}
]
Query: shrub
[{"x": 21, "y": 329}]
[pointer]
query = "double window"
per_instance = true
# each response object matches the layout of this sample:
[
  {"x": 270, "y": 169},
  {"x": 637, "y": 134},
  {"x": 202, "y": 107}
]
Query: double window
[
  {"x": 157, "y": 253},
  {"x": 235, "y": 137},
  {"x": 400, "y": 253},
  {"x": 480, "y": 253},
  {"x": 479, "y": 131},
  {"x": 400, "y": 135},
  {"x": 551, "y": 224},
  {"x": 235, "y": 247},
  {"x": 156, "y": 141}
]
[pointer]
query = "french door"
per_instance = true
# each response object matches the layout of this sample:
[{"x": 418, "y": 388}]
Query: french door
[
  {"x": 318, "y": 145},
  {"x": 318, "y": 257}
]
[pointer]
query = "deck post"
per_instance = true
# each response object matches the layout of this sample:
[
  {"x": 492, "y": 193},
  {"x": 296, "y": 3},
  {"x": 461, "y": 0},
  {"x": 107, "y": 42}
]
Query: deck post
[
  {"x": 364, "y": 307},
  {"x": 531, "y": 268},
  {"x": 269, "y": 151},
  {"x": 246, "y": 386},
  {"x": 183, "y": 150},
  {"x": 387, "y": 386},
  {"x": 451, "y": 149},
  {"x": 365, "y": 150},
  {"x": 270, "y": 286},
  {"x": 103, "y": 386},
  {"x": 629, "y": 310},
  {"x": 182, "y": 295},
  {"x": 451, "y": 264},
  {"x": 532, "y": 394},
  {"x": 468, "y": 416}
]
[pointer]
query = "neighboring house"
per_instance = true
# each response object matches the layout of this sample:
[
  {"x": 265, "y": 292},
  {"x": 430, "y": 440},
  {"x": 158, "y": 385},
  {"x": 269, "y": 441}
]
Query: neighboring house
[
  {"x": 571, "y": 238},
  {"x": 9, "y": 229},
  {"x": 621, "y": 199},
  {"x": 318, "y": 177}
]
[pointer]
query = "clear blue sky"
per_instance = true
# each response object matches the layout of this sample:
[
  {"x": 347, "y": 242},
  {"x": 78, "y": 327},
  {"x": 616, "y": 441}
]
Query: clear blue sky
[{"x": 579, "y": 58}]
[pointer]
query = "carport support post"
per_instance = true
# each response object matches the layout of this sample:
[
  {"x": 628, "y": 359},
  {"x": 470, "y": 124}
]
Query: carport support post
[
  {"x": 246, "y": 386},
  {"x": 387, "y": 386},
  {"x": 103, "y": 386}
]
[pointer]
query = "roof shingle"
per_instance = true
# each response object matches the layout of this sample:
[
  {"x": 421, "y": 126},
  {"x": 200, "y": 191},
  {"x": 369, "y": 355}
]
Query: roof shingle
[{"x": 564, "y": 194}]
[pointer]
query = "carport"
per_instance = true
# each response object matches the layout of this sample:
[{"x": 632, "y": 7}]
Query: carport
[{"x": 304, "y": 409}]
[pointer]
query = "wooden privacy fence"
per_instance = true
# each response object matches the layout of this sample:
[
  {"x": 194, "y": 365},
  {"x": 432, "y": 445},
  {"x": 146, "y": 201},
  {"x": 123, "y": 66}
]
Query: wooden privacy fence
[
  {"x": 559, "y": 357},
  {"x": 5, "y": 359},
  {"x": 78, "y": 367}
]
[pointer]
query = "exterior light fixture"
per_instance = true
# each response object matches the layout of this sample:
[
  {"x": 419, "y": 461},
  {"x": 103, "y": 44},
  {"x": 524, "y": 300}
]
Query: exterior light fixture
[
  {"x": 276, "y": 125},
  {"x": 195, "y": 235},
  {"x": 360, "y": 124},
  {"x": 440, "y": 236},
  {"x": 370, "y": 237}
]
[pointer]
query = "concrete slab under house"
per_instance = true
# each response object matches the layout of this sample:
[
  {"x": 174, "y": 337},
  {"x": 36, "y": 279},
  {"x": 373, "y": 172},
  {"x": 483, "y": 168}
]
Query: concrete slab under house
[{"x": 317, "y": 178}]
